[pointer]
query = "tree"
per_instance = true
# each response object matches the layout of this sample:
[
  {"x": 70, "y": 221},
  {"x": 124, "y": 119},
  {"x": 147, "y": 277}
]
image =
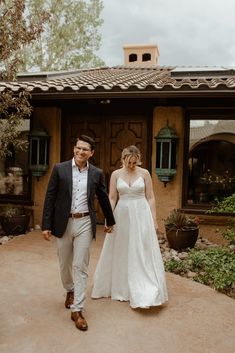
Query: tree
[
  {"x": 16, "y": 31},
  {"x": 70, "y": 38}
]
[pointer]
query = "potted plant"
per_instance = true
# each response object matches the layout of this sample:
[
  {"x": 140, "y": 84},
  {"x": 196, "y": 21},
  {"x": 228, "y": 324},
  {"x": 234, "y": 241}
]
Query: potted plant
[
  {"x": 14, "y": 219},
  {"x": 181, "y": 230}
]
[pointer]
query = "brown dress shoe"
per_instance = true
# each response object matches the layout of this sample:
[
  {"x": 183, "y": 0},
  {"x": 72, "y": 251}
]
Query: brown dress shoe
[
  {"x": 69, "y": 300},
  {"x": 79, "y": 320}
]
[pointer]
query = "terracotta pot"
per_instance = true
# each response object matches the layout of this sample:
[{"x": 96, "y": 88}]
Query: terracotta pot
[
  {"x": 15, "y": 225},
  {"x": 182, "y": 238}
]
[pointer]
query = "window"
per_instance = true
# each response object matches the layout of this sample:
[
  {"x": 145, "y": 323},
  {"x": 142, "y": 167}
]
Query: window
[
  {"x": 211, "y": 161},
  {"x": 146, "y": 57},
  {"x": 14, "y": 173},
  {"x": 132, "y": 58}
]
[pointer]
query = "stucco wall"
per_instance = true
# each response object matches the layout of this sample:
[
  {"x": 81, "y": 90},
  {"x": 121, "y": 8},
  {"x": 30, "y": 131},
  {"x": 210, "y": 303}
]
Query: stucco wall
[
  {"x": 50, "y": 120},
  {"x": 169, "y": 197}
]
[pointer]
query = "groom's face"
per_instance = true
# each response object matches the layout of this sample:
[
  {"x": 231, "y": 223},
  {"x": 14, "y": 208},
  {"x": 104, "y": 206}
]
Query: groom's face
[{"x": 82, "y": 152}]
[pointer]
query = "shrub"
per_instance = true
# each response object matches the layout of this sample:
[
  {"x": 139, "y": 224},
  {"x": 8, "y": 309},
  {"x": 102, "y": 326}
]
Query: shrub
[
  {"x": 214, "y": 267},
  {"x": 227, "y": 205}
]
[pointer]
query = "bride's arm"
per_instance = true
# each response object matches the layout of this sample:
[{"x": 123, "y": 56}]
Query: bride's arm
[
  {"x": 113, "y": 193},
  {"x": 150, "y": 196}
]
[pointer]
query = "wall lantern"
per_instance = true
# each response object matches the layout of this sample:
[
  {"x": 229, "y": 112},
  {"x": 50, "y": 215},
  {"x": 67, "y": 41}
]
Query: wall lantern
[
  {"x": 38, "y": 152},
  {"x": 166, "y": 142}
]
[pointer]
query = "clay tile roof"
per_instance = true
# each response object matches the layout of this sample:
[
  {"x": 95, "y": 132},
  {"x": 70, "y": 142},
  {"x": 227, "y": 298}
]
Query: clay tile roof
[{"x": 126, "y": 78}]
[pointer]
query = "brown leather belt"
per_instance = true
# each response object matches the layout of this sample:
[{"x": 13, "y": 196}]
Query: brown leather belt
[{"x": 79, "y": 215}]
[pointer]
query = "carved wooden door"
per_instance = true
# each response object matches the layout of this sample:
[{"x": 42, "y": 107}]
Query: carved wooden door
[{"x": 111, "y": 135}]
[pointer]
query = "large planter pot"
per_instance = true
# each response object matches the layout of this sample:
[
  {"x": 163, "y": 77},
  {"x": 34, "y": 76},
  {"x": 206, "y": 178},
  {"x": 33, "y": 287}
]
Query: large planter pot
[
  {"x": 15, "y": 225},
  {"x": 182, "y": 238}
]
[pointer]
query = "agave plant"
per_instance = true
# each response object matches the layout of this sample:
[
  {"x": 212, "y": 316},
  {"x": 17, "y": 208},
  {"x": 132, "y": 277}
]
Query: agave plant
[{"x": 179, "y": 220}]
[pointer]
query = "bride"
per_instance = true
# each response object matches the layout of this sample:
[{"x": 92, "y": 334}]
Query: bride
[{"x": 130, "y": 267}]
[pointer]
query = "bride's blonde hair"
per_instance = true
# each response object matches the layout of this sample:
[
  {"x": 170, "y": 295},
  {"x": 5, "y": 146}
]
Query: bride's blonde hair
[{"x": 128, "y": 153}]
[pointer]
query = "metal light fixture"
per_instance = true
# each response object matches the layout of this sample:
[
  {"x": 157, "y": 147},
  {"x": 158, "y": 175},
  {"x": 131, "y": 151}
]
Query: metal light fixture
[
  {"x": 38, "y": 151},
  {"x": 166, "y": 143}
]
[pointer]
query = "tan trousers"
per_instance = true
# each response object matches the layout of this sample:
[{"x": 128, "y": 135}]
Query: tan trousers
[{"x": 74, "y": 254}]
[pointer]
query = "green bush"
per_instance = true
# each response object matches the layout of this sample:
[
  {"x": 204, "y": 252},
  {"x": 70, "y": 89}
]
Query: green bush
[
  {"x": 227, "y": 205},
  {"x": 214, "y": 267},
  {"x": 229, "y": 232}
]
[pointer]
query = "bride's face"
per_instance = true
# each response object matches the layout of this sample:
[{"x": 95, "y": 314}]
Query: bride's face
[{"x": 132, "y": 163}]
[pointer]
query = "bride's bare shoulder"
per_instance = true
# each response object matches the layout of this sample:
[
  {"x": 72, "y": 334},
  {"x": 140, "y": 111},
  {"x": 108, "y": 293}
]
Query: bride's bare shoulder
[
  {"x": 116, "y": 173},
  {"x": 143, "y": 172}
]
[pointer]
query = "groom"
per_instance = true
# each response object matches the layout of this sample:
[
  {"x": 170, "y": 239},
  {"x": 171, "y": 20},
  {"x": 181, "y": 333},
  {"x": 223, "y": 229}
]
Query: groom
[{"x": 69, "y": 214}]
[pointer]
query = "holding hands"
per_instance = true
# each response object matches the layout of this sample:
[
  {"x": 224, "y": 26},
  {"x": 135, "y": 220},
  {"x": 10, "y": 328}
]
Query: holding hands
[{"x": 108, "y": 229}]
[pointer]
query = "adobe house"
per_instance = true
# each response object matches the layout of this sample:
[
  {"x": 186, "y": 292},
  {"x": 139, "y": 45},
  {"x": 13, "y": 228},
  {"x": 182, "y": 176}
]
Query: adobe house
[{"x": 130, "y": 104}]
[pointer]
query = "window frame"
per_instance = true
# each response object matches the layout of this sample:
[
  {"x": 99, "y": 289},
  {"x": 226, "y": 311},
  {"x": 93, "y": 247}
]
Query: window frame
[
  {"x": 198, "y": 114},
  {"x": 25, "y": 199}
]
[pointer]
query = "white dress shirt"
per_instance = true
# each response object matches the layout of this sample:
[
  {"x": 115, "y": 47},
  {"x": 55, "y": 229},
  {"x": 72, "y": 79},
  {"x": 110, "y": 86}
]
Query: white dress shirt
[{"x": 79, "y": 189}]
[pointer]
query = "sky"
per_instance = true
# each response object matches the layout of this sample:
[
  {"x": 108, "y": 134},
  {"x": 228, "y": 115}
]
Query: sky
[{"x": 187, "y": 32}]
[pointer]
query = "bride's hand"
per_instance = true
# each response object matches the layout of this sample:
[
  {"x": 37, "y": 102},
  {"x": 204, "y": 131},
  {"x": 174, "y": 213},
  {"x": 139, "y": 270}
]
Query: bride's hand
[{"x": 108, "y": 229}]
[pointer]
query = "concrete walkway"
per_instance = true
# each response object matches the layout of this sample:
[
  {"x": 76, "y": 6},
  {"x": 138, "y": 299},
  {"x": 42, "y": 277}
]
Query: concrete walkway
[{"x": 33, "y": 318}]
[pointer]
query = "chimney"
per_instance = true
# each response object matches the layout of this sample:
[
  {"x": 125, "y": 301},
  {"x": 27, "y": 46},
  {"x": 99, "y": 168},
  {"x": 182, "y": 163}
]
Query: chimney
[{"x": 141, "y": 54}]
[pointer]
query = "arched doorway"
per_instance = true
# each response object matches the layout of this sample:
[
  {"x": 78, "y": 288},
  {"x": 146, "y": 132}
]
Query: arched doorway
[{"x": 212, "y": 169}]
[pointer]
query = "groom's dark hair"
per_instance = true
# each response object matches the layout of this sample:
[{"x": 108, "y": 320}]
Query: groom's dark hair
[{"x": 87, "y": 139}]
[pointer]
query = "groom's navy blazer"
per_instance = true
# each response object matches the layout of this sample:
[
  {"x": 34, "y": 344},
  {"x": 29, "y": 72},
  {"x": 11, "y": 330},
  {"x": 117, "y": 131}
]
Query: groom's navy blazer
[{"x": 58, "y": 199}]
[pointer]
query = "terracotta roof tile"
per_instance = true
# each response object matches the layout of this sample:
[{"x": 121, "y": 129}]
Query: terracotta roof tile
[{"x": 124, "y": 78}]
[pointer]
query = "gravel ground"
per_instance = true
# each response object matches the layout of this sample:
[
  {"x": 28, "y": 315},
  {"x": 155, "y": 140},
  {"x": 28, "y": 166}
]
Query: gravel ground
[{"x": 202, "y": 243}]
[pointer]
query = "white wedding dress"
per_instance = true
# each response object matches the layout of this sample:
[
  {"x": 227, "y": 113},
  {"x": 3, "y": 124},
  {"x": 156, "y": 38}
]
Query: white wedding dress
[{"x": 130, "y": 267}]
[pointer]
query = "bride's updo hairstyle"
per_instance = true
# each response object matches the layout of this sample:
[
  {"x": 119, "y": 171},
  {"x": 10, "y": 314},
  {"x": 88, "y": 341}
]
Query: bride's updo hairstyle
[{"x": 128, "y": 153}]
